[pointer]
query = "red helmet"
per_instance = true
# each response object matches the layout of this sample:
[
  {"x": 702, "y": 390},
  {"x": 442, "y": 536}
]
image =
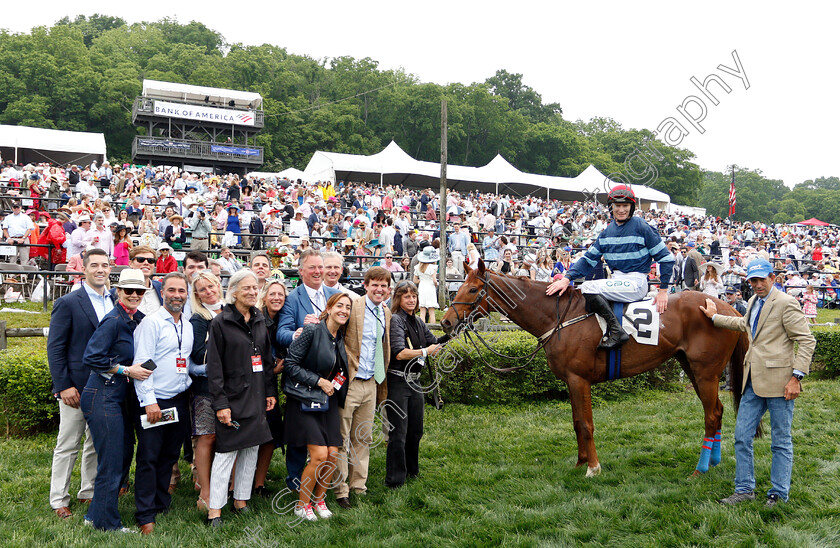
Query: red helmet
[{"x": 622, "y": 194}]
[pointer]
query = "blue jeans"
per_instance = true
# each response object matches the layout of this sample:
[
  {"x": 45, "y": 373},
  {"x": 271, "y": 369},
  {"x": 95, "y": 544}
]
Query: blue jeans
[
  {"x": 102, "y": 403},
  {"x": 751, "y": 410}
]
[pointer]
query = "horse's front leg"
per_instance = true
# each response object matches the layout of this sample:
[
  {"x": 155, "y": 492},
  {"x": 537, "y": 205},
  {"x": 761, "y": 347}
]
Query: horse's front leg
[{"x": 580, "y": 392}]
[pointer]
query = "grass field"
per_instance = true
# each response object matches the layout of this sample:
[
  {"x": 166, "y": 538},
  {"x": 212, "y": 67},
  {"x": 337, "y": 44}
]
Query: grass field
[{"x": 504, "y": 476}]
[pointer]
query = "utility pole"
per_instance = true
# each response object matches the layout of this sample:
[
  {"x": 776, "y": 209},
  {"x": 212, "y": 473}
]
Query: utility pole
[{"x": 442, "y": 293}]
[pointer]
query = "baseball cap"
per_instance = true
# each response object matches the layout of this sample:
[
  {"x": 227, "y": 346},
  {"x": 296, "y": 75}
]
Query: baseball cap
[
  {"x": 759, "y": 268},
  {"x": 731, "y": 290}
]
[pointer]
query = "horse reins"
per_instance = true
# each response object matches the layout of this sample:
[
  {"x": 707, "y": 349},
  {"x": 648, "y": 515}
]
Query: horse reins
[{"x": 471, "y": 330}]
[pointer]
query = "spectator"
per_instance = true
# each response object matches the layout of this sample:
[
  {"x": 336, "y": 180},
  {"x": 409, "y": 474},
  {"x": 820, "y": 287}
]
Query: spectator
[
  {"x": 206, "y": 303},
  {"x": 240, "y": 372},
  {"x": 108, "y": 355},
  {"x": 411, "y": 342},
  {"x": 316, "y": 385},
  {"x": 425, "y": 276},
  {"x": 167, "y": 339},
  {"x": 16, "y": 230},
  {"x": 74, "y": 319},
  {"x": 166, "y": 263},
  {"x": 368, "y": 350}
]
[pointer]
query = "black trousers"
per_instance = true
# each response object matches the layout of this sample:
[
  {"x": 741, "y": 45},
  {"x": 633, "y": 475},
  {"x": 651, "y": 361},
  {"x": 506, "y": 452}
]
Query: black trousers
[
  {"x": 405, "y": 415},
  {"x": 158, "y": 449}
]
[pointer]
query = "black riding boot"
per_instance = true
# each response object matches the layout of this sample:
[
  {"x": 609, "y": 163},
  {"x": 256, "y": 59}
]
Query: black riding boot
[{"x": 615, "y": 334}]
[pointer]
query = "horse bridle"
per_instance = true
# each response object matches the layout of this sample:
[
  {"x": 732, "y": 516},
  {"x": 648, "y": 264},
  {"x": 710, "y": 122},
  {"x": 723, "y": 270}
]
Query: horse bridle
[{"x": 470, "y": 330}]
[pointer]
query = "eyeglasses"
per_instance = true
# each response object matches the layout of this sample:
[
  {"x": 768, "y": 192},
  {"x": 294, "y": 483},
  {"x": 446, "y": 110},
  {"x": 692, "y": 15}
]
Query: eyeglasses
[
  {"x": 142, "y": 260},
  {"x": 683, "y": 251},
  {"x": 133, "y": 291}
]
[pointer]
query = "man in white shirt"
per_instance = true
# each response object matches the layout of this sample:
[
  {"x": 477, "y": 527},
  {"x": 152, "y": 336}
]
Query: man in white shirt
[
  {"x": 386, "y": 236},
  {"x": 16, "y": 230},
  {"x": 228, "y": 261},
  {"x": 333, "y": 268}
]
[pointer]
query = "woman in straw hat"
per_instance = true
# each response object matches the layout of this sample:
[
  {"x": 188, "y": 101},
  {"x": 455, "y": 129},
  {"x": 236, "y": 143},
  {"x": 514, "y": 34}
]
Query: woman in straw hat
[
  {"x": 425, "y": 276},
  {"x": 711, "y": 283},
  {"x": 109, "y": 354}
]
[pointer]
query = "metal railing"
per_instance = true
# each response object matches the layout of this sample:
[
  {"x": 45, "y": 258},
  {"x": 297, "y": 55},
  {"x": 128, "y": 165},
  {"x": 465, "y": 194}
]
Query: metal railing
[{"x": 191, "y": 150}]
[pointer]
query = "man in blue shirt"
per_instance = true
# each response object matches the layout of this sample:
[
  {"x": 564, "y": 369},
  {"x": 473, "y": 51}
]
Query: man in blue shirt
[
  {"x": 166, "y": 338},
  {"x": 628, "y": 245}
]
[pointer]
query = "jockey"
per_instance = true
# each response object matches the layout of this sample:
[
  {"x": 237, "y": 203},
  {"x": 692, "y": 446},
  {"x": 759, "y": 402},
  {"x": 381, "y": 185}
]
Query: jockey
[{"x": 628, "y": 245}]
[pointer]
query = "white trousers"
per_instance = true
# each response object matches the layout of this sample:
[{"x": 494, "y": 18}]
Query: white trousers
[
  {"x": 246, "y": 465},
  {"x": 71, "y": 426},
  {"x": 623, "y": 288}
]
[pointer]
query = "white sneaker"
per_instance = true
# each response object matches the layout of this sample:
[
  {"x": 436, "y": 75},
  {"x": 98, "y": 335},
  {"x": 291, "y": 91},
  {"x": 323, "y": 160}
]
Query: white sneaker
[
  {"x": 126, "y": 530},
  {"x": 305, "y": 512},
  {"x": 323, "y": 511},
  {"x": 87, "y": 521}
]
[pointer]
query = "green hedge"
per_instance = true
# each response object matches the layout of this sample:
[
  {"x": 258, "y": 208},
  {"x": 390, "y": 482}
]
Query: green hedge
[
  {"x": 26, "y": 403},
  {"x": 827, "y": 352}
]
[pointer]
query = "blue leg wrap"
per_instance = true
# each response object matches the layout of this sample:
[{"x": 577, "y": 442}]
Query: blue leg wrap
[
  {"x": 705, "y": 455},
  {"x": 716, "y": 450}
]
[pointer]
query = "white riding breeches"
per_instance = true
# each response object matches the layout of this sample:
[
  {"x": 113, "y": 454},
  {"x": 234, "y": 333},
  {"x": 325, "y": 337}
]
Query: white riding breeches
[{"x": 624, "y": 288}]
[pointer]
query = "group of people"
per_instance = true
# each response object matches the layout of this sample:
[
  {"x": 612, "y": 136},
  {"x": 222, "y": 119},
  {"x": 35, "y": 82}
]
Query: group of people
[
  {"x": 182, "y": 361},
  {"x": 221, "y": 360}
]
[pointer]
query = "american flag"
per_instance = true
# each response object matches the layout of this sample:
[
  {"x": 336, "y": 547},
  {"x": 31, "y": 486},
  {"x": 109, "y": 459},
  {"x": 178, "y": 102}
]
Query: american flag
[{"x": 732, "y": 198}]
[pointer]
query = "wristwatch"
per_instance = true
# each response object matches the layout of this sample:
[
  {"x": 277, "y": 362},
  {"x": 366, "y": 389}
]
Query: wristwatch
[{"x": 798, "y": 376}]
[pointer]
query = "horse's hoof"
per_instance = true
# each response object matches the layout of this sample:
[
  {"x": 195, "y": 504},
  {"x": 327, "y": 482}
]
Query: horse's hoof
[{"x": 593, "y": 471}]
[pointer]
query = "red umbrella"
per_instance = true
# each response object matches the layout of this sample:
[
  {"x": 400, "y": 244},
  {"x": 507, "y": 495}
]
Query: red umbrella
[{"x": 813, "y": 221}]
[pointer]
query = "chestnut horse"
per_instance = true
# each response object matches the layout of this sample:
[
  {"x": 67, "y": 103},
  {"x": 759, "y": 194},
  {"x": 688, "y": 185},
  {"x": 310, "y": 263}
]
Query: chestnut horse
[{"x": 570, "y": 337}]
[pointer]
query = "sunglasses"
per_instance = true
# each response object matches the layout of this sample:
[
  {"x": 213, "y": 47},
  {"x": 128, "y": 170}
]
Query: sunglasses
[
  {"x": 133, "y": 291},
  {"x": 142, "y": 260}
]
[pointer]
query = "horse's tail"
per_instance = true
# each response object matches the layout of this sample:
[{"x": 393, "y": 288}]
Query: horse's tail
[{"x": 736, "y": 373}]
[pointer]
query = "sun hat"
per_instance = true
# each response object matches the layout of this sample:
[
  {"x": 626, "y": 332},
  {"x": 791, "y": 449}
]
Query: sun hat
[
  {"x": 132, "y": 278},
  {"x": 717, "y": 266},
  {"x": 759, "y": 268},
  {"x": 428, "y": 255}
]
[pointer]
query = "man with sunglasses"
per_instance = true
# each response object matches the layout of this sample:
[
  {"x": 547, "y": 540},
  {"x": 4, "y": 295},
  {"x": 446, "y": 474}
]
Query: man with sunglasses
[{"x": 143, "y": 258}]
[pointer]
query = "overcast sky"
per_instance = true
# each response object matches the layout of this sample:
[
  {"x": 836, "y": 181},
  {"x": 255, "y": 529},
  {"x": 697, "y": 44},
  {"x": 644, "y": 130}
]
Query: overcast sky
[{"x": 631, "y": 61}]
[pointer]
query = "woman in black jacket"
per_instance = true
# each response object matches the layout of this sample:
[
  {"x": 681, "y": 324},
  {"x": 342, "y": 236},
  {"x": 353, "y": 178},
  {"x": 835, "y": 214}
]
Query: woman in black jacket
[
  {"x": 241, "y": 379},
  {"x": 316, "y": 370},
  {"x": 411, "y": 343}
]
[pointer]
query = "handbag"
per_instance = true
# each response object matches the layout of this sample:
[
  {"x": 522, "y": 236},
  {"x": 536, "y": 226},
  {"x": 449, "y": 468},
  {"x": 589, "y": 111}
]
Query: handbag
[{"x": 311, "y": 399}]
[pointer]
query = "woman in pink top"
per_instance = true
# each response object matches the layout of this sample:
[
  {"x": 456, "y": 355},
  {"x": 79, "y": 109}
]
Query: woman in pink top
[{"x": 122, "y": 245}]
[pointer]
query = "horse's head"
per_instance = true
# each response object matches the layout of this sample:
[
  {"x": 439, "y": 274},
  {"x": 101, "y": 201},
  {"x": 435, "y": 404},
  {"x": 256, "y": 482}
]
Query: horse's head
[{"x": 470, "y": 301}]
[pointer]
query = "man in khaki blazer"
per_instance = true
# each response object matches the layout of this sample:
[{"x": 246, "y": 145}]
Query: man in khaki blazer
[
  {"x": 772, "y": 374},
  {"x": 366, "y": 377}
]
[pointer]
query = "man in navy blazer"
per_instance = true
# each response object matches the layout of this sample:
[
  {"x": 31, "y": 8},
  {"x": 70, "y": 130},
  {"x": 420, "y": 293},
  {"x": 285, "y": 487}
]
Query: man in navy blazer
[
  {"x": 303, "y": 307},
  {"x": 74, "y": 319}
]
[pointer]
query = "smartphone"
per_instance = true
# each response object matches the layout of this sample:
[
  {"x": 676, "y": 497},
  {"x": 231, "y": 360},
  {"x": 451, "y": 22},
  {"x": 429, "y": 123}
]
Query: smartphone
[{"x": 149, "y": 364}]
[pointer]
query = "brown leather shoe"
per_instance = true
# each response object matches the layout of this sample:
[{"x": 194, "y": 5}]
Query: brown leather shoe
[
  {"x": 63, "y": 512},
  {"x": 147, "y": 528},
  {"x": 172, "y": 487},
  {"x": 123, "y": 491},
  {"x": 344, "y": 502},
  {"x": 85, "y": 501}
]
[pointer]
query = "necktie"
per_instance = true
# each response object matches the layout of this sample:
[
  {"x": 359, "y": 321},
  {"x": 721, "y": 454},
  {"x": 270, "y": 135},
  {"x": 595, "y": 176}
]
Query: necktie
[
  {"x": 757, "y": 315},
  {"x": 378, "y": 355}
]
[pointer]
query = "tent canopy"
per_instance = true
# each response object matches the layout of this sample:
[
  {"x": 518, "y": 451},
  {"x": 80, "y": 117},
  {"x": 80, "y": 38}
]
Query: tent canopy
[
  {"x": 187, "y": 92},
  {"x": 393, "y": 166},
  {"x": 813, "y": 221},
  {"x": 33, "y": 145}
]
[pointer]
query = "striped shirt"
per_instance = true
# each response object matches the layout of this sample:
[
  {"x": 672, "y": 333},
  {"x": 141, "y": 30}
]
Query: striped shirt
[{"x": 627, "y": 247}]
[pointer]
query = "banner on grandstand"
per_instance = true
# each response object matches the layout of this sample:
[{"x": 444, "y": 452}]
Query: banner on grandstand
[
  {"x": 227, "y": 149},
  {"x": 732, "y": 197},
  {"x": 162, "y": 144},
  {"x": 205, "y": 114}
]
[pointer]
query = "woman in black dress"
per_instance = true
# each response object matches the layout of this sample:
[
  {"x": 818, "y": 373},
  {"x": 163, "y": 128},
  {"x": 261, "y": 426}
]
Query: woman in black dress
[
  {"x": 241, "y": 379},
  {"x": 316, "y": 369},
  {"x": 411, "y": 343}
]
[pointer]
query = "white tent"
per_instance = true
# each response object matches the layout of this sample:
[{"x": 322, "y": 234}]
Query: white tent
[
  {"x": 187, "y": 92},
  {"x": 33, "y": 145},
  {"x": 393, "y": 166}
]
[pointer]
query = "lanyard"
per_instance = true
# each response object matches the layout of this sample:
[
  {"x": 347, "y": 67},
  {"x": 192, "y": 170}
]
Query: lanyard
[
  {"x": 179, "y": 336},
  {"x": 315, "y": 306},
  {"x": 378, "y": 317}
]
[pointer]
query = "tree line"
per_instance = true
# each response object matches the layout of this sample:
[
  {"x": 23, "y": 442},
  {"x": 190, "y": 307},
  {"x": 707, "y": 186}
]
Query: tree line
[{"x": 84, "y": 74}]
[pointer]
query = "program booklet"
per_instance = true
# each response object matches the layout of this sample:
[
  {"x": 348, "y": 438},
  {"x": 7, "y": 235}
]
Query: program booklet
[{"x": 167, "y": 416}]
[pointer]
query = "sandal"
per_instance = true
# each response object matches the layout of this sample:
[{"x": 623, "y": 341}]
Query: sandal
[{"x": 201, "y": 504}]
